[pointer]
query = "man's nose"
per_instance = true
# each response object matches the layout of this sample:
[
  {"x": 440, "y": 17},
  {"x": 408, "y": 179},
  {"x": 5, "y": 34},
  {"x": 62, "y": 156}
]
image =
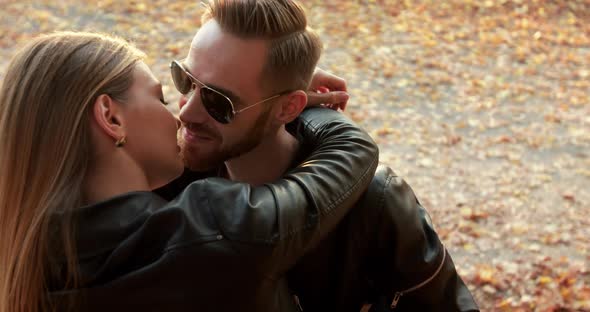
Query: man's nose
[{"x": 193, "y": 111}]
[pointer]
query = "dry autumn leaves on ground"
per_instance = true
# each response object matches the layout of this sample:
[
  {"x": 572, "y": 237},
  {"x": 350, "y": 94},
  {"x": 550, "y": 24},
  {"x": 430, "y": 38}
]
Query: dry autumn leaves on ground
[{"x": 482, "y": 105}]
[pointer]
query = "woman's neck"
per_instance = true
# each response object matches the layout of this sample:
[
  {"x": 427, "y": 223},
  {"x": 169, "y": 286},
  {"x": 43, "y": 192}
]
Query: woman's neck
[{"x": 111, "y": 176}]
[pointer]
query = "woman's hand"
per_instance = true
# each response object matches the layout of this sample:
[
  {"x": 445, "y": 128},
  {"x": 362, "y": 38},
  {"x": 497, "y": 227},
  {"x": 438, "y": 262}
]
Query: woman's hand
[{"x": 328, "y": 90}]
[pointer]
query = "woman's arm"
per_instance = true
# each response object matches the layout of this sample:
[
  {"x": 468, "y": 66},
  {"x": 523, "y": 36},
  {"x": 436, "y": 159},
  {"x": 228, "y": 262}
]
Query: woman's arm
[{"x": 293, "y": 214}]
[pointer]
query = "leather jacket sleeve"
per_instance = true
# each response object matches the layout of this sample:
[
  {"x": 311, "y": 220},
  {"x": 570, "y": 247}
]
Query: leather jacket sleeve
[
  {"x": 292, "y": 214},
  {"x": 416, "y": 270},
  {"x": 385, "y": 247}
]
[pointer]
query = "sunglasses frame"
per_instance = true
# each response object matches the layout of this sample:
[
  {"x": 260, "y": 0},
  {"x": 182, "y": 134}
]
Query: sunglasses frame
[{"x": 196, "y": 82}]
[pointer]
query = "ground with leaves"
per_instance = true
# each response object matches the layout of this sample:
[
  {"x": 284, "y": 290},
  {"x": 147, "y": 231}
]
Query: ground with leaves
[{"x": 483, "y": 106}]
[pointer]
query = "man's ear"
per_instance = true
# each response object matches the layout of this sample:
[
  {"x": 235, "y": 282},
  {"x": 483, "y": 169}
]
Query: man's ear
[
  {"x": 108, "y": 116},
  {"x": 292, "y": 106}
]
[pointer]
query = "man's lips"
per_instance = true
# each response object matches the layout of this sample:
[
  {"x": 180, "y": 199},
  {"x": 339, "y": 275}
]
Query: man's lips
[{"x": 191, "y": 136}]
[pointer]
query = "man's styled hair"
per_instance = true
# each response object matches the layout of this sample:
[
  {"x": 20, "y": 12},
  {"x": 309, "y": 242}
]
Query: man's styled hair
[{"x": 294, "y": 49}]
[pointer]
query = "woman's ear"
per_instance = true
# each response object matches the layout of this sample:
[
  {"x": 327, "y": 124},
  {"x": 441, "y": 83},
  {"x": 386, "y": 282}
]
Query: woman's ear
[
  {"x": 109, "y": 117},
  {"x": 292, "y": 106}
]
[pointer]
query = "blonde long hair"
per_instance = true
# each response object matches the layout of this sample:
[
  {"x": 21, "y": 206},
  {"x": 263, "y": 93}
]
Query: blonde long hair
[{"x": 45, "y": 149}]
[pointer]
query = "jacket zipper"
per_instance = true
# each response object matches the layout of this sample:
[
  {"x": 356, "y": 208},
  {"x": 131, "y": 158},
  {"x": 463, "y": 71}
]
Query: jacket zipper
[
  {"x": 399, "y": 294},
  {"x": 297, "y": 303}
]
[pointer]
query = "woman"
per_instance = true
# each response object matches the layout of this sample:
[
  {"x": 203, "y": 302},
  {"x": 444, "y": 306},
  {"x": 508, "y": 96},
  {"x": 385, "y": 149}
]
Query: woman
[{"x": 80, "y": 115}]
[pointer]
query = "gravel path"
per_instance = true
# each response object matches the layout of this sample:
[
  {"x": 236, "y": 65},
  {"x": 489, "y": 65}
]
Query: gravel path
[{"x": 484, "y": 107}]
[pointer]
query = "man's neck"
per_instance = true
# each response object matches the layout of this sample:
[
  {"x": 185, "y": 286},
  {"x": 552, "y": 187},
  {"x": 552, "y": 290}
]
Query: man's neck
[{"x": 265, "y": 163}]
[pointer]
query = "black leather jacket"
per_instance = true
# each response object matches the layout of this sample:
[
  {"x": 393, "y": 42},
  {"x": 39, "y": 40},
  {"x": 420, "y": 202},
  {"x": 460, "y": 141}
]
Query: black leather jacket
[
  {"x": 219, "y": 246},
  {"x": 385, "y": 249}
]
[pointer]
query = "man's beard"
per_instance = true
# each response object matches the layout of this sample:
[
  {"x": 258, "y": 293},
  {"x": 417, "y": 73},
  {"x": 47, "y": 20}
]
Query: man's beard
[{"x": 215, "y": 159}]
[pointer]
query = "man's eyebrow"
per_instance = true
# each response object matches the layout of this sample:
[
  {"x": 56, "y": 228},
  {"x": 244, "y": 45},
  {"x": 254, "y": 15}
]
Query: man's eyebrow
[
  {"x": 232, "y": 96},
  {"x": 225, "y": 92}
]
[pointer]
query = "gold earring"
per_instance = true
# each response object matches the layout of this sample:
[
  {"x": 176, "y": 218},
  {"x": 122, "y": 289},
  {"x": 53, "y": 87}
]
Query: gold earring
[{"x": 120, "y": 142}]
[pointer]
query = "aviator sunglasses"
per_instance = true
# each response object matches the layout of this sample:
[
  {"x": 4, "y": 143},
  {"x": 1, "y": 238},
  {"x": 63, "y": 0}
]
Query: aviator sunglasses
[{"x": 218, "y": 105}]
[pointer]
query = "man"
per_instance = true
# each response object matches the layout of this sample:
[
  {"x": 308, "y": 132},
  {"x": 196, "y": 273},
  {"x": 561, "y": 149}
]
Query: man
[{"x": 243, "y": 77}]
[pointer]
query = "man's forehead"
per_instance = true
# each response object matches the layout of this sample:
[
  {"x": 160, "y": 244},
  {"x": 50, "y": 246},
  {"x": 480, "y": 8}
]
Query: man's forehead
[
  {"x": 205, "y": 30},
  {"x": 211, "y": 35},
  {"x": 219, "y": 58}
]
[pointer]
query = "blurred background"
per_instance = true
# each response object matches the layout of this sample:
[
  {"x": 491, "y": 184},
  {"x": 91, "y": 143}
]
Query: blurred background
[{"x": 482, "y": 106}]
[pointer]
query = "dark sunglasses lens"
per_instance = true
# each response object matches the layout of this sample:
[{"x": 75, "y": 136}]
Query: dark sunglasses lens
[
  {"x": 181, "y": 80},
  {"x": 217, "y": 105}
]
